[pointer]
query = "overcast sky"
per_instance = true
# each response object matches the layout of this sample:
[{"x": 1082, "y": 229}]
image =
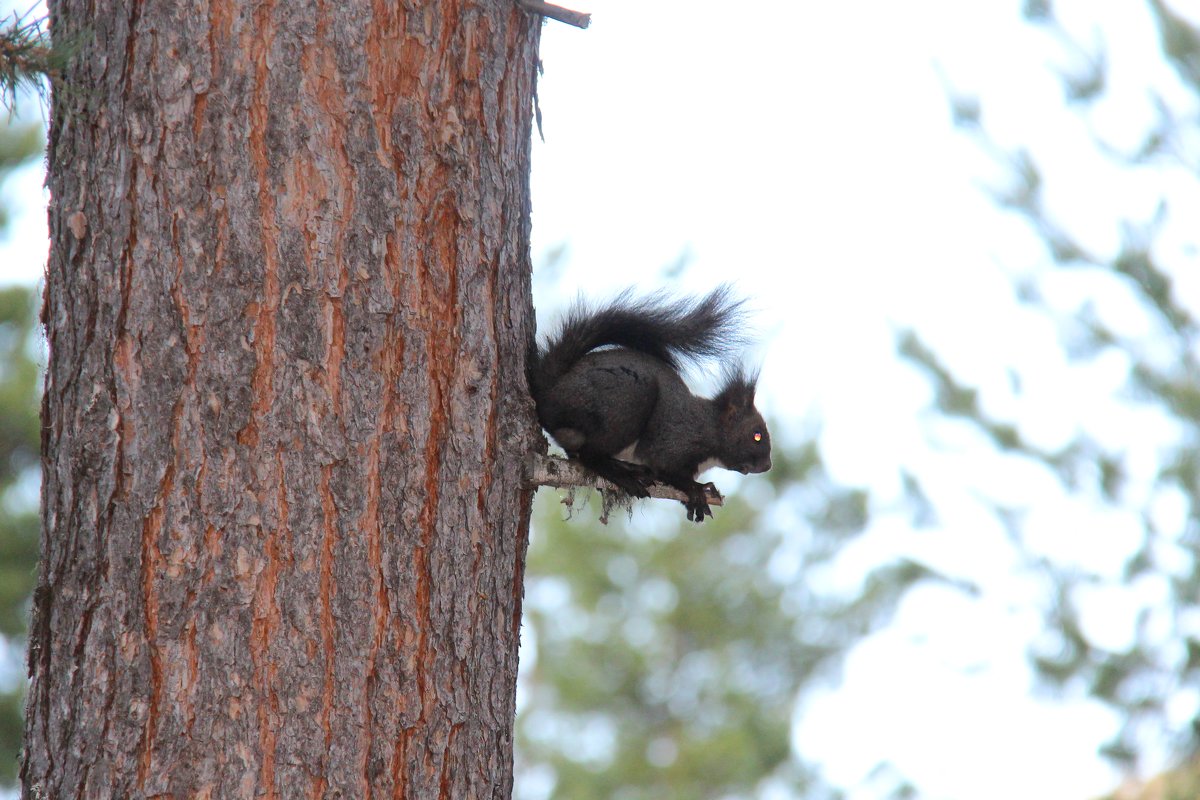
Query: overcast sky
[{"x": 805, "y": 150}]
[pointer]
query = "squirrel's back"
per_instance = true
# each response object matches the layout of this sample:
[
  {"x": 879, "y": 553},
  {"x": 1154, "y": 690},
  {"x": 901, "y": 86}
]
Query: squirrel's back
[{"x": 667, "y": 329}]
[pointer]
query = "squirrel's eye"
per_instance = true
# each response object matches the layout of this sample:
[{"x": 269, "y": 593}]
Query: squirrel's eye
[{"x": 758, "y": 436}]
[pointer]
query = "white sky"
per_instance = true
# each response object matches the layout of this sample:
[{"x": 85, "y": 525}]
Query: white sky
[
  {"x": 804, "y": 150},
  {"x": 23, "y": 246}
]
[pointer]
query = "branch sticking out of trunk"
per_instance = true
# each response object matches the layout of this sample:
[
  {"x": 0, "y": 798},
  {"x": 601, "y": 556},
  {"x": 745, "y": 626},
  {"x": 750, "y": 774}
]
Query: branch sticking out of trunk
[
  {"x": 565, "y": 474},
  {"x": 577, "y": 18}
]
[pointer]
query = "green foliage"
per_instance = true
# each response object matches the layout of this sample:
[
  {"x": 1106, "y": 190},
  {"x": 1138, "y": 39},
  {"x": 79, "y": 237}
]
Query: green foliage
[
  {"x": 18, "y": 145},
  {"x": 26, "y": 57},
  {"x": 11, "y": 726},
  {"x": 1160, "y": 665},
  {"x": 18, "y": 382},
  {"x": 18, "y": 517},
  {"x": 1180, "y": 42},
  {"x": 19, "y": 436},
  {"x": 667, "y": 657}
]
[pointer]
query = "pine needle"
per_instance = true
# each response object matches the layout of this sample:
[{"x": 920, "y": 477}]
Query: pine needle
[{"x": 27, "y": 57}]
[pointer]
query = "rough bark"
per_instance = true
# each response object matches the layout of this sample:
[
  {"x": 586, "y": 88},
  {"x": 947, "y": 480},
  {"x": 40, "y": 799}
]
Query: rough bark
[{"x": 285, "y": 416}]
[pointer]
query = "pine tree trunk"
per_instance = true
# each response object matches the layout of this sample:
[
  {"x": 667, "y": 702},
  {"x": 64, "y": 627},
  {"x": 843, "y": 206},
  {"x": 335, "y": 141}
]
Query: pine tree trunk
[{"x": 285, "y": 415}]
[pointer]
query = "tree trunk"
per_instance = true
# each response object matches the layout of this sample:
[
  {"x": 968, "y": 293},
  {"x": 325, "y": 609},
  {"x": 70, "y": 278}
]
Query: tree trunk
[{"x": 285, "y": 415}]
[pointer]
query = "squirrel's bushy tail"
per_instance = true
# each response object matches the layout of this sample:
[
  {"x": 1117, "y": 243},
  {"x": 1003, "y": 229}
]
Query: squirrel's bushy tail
[{"x": 668, "y": 329}]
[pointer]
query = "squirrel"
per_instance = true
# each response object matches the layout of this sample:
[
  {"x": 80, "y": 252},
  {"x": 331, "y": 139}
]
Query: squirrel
[{"x": 624, "y": 411}]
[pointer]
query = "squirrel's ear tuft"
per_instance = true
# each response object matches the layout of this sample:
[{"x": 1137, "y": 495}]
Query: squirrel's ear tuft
[{"x": 737, "y": 387}]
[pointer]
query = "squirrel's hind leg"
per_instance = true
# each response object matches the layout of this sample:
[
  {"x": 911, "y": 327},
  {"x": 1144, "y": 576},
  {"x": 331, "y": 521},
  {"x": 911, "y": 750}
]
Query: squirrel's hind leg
[{"x": 633, "y": 479}]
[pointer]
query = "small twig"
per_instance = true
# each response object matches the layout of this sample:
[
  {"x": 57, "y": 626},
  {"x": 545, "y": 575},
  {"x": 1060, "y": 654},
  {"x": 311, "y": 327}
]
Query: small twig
[
  {"x": 577, "y": 18},
  {"x": 27, "y": 56},
  {"x": 564, "y": 474},
  {"x": 24, "y": 58}
]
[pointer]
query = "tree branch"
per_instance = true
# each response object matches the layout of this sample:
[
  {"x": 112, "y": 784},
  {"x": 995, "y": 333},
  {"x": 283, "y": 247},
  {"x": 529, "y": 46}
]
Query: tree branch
[
  {"x": 577, "y": 18},
  {"x": 565, "y": 474}
]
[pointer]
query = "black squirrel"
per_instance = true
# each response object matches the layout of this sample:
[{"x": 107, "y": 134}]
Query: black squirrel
[{"x": 625, "y": 412}]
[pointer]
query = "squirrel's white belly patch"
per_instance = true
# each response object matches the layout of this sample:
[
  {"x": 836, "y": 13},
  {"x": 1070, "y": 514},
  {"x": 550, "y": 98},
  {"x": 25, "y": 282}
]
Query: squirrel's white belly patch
[{"x": 628, "y": 455}]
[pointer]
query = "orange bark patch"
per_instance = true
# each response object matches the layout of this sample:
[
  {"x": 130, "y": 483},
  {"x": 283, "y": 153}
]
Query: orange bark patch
[
  {"x": 152, "y": 560},
  {"x": 259, "y": 45},
  {"x": 329, "y": 518}
]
